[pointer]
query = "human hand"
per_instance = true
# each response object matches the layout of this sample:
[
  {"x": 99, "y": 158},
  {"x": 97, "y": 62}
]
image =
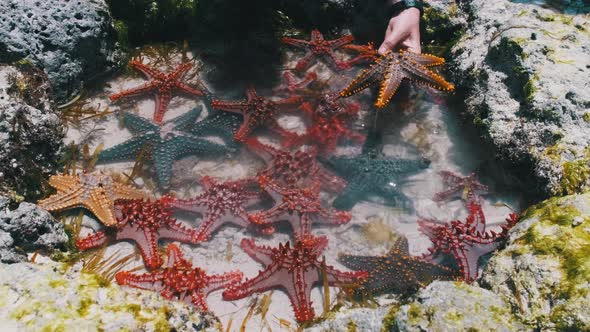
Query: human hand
[{"x": 403, "y": 31}]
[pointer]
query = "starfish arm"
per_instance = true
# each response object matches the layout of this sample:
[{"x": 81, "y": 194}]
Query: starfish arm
[
  {"x": 264, "y": 151},
  {"x": 392, "y": 81},
  {"x": 305, "y": 61},
  {"x": 330, "y": 180},
  {"x": 264, "y": 218},
  {"x": 220, "y": 281},
  {"x": 336, "y": 43},
  {"x": 163, "y": 158},
  {"x": 443, "y": 195},
  {"x": 289, "y": 103},
  {"x": 421, "y": 75},
  {"x": 124, "y": 192},
  {"x": 364, "y": 263},
  {"x": 93, "y": 240},
  {"x": 175, "y": 256},
  {"x": 366, "y": 78},
  {"x": 197, "y": 204},
  {"x": 425, "y": 59},
  {"x": 197, "y": 298},
  {"x": 262, "y": 254},
  {"x": 145, "y": 88},
  {"x": 209, "y": 224},
  {"x": 124, "y": 151},
  {"x": 335, "y": 276},
  {"x": 332, "y": 61},
  {"x": 261, "y": 283},
  {"x": 188, "y": 119},
  {"x": 63, "y": 182},
  {"x": 148, "y": 281},
  {"x": 147, "y": 241},
  {"x": 299, "y": 292},
  {"x": 136, "y": 124},
  {"x": 296, "y": 42},
  {"x": 333, "y": 216},
  {"x": 180, "y": 71},
  {"x": 238, "y": 107},
  {"x": 162, "y": 102},
  {"x": 176, "y": 231},
  {"x": 353, "y": 193},
  {"x": 274, "y": 126},
  {"x": 149, "y": 72},
  {"x": 221, "y": 124},
  {"x": 63, "y": 200}
]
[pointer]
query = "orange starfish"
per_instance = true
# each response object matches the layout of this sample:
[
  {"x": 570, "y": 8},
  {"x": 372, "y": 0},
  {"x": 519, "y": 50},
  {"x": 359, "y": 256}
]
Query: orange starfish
[
  {"x": 95, "y": 191},
  {"x": 161, "y": 85},
  {"x": 389, "y": 71}
]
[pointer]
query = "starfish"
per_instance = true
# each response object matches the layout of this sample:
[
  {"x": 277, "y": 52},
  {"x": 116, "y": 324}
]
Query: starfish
[
  {"x": 291, "y": 86},
  {"x": 293, "y": 168},
  {"x": 162, "y": 85},
  {"x": 366, "y": 53},
  {"x": 397, "y": 271},
  {"x": 330, "y": 118},
  {"x": 295, "y": 269},
  {"x": 145, "y": 223},
  {"x": 179, "y": 280},
  {"x": 219, "y": 124},
  {"x": 163, "y": 143},
  {"x": 465, "y": 241},
  {"x": 220, "y": 203},
  {"x": 320, "y": 48},
  {"x": 257, "y": 111},
  {"x": 299, "y": 206},
  {"x": 366, "y": 176},
  {"x": 95, "y": 191},
  {"x": 389, "y": 71},
  {"x": 468, "y": 187}
]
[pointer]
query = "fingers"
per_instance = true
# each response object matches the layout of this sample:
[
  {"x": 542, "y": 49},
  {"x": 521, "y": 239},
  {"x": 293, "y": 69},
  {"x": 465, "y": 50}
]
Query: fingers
[{"x": 392, "y": 38}]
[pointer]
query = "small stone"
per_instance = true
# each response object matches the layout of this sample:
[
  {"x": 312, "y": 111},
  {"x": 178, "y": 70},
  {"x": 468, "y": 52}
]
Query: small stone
[{"x": 577, "y": 221}]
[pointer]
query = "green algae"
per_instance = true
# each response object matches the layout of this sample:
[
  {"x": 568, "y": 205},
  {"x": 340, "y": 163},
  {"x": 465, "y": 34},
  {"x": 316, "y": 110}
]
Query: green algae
[
  {"x": 351, "y": 326},
  {"x": 575, "y": 175},
  {"x": 389, "y": 322}
]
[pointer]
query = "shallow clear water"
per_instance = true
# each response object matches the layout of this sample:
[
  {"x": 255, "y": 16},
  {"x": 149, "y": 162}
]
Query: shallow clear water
[{"x": 422, "y": 126}]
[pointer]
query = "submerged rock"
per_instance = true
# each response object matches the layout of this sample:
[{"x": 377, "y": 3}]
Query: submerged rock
[
  {"x": 544, "y": 271},
  {"x": 524, "y": 70},
  {"x": 40, "y": 297},
  {"x": 455, "y": 306},
  {"x": 31, "y": 132},
  {"x": 27, "y": 228},
  {"x": 72, "y": 41}
]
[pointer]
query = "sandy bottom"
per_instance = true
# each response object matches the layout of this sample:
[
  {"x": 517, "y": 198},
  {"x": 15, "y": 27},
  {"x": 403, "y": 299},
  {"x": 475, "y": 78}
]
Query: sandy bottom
[{"x": 424, "y": 127}]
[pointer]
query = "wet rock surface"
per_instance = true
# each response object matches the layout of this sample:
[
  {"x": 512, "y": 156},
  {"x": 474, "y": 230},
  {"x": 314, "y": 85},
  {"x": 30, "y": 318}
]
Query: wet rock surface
[
  {"x": 544, "y": 272},
  {"x": 453, "y": 306},
  {"x": 524, "y": 69},
  {"x": 31, "y": 132},
  {"x": 72, "y": 41},
  {"x": 70, "y": 300},
  {"x": 27, "y": 228}
]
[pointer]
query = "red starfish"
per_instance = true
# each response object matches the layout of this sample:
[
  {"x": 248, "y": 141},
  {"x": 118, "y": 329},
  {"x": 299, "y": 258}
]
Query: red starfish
[
  {"x": 330, "y": 117},
  {"x": 292, "y": 168},
  {"x": 220, "y": 203},
  {"x": 145, "y": 223},
  {"x": 465, "y": 240},
  {"x": 161, "y": 85},
  {"x": 257, "y": 111},
  {"x": 296, "y": 270},
  {"x": 299, "y": 206},
  {"x": 179, "y": 280},
  {"x": 289, "y": 85},
  {"x": 366, "y": 53},
  {"x": 468, "y": 187},
  {"x": 319, "y": 47}
]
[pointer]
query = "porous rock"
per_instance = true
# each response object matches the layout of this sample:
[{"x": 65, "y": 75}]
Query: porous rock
[
  {"x": 456, "y": 306},
  {"x": 72, "y": 41},
  {"x": 544, "y": 271},
  {"x": 524, "y": 70},
  {"x": 27, "y": 228},
  {"x": 35, "y": 297},
  {"x": 31, "y": 132}
]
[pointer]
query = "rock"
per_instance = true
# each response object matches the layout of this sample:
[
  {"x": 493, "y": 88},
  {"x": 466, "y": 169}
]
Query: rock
[
  {"x": 358, "y": 319},
  {"x": 36, "y": 297},
  {"x": 72, "y": 41},
  {"x": 27, "y": 228},
  {"x": 456, "y": 306},
  {"x": 544, "y": 272},
  {"x": 31, "y": 132},
  {"x": 524, "y": 70}
]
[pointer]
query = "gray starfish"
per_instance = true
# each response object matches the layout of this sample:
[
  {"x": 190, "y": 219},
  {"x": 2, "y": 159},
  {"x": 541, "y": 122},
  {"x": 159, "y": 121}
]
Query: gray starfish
[
  {"x": 220, "y": 124},
  {"x": 163, "y": 143},
  {"x": 368, "y": 176}
]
